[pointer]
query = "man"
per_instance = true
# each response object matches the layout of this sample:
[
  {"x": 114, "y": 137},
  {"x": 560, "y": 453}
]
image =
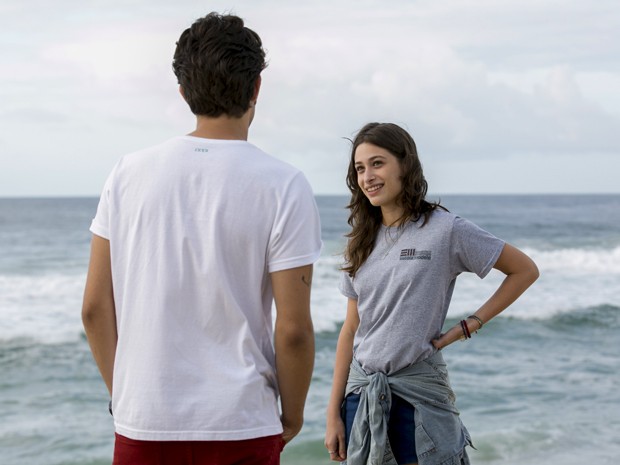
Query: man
[{"x": 192, "y": 241}]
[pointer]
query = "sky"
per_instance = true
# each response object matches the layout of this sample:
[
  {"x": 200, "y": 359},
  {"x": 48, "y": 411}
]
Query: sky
[{"x": 501, "y": 96}]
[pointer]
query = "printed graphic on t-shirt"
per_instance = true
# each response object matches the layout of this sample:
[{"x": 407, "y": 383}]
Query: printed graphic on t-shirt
[{"x": 413, "y": 254}]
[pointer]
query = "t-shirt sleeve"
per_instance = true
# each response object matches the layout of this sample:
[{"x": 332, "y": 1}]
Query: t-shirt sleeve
[
  {"x": 473, "y": 249},
  {"x": 346, "y": 286},
  {"x": 296, "y": 235},
  {"x": 100, "y": 225}
]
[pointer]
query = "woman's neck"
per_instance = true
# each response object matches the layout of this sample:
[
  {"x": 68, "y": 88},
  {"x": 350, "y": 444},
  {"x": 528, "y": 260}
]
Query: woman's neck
[{"x": 392, "y": 216}]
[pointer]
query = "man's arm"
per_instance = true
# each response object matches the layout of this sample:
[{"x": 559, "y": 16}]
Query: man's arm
[
  {"x": 98, "y": 311},
  {"x": 294, "y": 344}
]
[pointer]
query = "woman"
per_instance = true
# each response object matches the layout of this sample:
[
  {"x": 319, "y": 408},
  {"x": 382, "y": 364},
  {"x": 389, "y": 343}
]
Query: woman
[{"x": 391, "y": 397}]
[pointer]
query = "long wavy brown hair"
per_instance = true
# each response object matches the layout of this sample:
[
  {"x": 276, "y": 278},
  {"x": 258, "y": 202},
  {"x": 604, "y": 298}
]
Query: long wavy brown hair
[{"x": 365, "y": 219}]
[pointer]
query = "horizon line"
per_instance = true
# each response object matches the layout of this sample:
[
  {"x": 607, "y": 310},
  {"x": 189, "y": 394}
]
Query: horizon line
[{"x": 432, "y": 194}]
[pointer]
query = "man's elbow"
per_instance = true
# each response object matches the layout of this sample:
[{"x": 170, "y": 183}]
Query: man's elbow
[
  {"x": 90, "y": 314},
  {"x": 295, "y": 336},
  {"x": 94, "y": 313}
]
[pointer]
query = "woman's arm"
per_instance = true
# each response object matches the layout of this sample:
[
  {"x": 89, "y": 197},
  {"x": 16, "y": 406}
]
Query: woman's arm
[
  {"x": 334, "y": 434},
  {"x": 520, "y": 273}
]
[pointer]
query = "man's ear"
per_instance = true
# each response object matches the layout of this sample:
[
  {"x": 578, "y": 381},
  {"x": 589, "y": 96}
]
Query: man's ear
[
  {"x": 256, "y": 89},
  {"x": 182, "y": 93}
]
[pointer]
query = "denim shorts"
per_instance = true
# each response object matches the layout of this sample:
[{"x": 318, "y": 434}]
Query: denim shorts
[{"x": 401, "y": 426}]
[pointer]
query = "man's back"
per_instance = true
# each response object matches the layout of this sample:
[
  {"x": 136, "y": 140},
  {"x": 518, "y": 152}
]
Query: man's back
[{"x": 195, "y": 226}]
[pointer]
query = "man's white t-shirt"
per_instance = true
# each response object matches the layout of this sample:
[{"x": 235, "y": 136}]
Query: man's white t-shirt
[{"x": 195, "y": 227}]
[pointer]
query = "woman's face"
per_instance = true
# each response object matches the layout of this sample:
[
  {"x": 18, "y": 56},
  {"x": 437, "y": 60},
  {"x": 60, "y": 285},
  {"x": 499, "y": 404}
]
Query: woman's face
[{"x": 379, "y": 175}]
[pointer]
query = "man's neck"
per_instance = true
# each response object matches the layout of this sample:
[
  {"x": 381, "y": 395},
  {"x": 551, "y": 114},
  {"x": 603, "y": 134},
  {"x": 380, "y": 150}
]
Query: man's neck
[{"x": 222, "y": 127}]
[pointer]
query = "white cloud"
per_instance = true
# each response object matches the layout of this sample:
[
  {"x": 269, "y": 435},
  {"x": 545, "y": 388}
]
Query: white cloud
[
  {"x": 477, "y": 82},
  {"x": 112, "y": 55}
]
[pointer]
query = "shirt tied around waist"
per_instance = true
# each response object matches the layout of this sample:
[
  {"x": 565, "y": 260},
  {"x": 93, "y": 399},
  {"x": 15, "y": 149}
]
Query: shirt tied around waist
[{"x": 440, "y": 436}]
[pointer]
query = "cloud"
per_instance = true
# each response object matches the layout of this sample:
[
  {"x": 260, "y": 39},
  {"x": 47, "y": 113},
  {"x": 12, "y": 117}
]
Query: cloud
[
  {"x": 458, "y": 107},
  {"x": 475, "y": 81}
]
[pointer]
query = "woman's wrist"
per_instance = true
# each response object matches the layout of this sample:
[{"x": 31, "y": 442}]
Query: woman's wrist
[
  {"x": 478, "y": 320},
  {"x": 333, "y": 412}
]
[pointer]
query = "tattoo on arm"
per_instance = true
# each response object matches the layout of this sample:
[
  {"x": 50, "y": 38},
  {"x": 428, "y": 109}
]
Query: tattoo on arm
[{"x": 306, "y": 281}]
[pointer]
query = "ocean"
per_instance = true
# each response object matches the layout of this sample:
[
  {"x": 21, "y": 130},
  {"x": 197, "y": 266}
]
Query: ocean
[{"x": 539, "y": 384}]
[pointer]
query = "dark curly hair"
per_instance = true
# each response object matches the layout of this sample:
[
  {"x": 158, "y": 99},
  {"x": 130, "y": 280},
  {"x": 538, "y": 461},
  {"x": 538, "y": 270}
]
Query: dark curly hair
[
  {"x": 365, "y": 219},
  {"x": 217, "y": 62}
]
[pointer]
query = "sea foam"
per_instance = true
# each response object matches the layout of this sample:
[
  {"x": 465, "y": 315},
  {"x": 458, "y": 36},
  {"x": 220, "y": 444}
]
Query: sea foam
[
  {"x": 47, "y": 307},
  {"x": 44, "y": 307}
]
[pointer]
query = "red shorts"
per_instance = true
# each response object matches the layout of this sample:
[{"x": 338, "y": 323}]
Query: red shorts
[{"x": 258, "y": 451}]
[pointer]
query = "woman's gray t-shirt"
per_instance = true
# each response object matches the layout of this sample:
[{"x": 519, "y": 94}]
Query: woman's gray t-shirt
[{"x": 403, "y": 290}]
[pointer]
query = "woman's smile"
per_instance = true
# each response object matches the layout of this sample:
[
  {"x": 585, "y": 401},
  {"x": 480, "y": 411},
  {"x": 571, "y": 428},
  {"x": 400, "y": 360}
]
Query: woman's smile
[{"x": 379, "y": 175}]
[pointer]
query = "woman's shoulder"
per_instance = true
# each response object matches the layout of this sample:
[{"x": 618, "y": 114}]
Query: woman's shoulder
[
  {"x": 438, "y": 218},
  {"x": 450, "y": 222}
]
